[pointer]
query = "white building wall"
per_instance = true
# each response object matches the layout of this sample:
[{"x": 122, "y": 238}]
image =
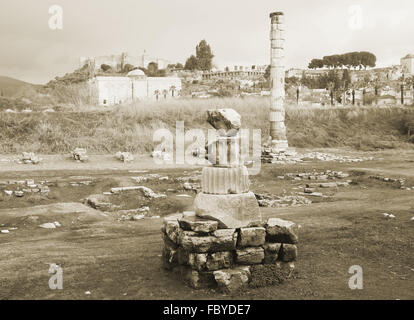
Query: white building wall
[
  {"x": 140, "y": 90},
  {"x": 113, "y": 90},
  {"x": 117, "y": 90}
]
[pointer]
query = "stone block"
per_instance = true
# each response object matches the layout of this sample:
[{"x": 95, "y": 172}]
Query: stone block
[
  {"x": 220, "y": 260},
  {"x": 211, "y": 262},
  {"x": 220, "y": 240},
  {"x": 231, "y": 210},
  {"x": 271, "y": 251},
  {"x": 248, "y": 256},
  {"x": 251, "y": 237},
  {"x": 172, "y": 230},
  {"x": 232, "y": 280},
  {"x": 196, "y": 224},
  {"x": 225, "y": 119},
  {"x": 289, "y": 252},
  {"x": 328, "y": 185},
  {"x": 281, "y": 231}
]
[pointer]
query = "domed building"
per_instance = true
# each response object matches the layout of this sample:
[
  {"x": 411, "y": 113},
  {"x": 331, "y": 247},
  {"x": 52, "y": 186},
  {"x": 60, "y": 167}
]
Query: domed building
[
  {"x": 112, "y": 90},
  {"x": 137, "y": 73}
]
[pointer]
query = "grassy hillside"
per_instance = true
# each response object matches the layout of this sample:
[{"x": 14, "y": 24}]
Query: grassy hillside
[
  {"x": 131, "y": 127},
  {"x": 10, "y": 86}
]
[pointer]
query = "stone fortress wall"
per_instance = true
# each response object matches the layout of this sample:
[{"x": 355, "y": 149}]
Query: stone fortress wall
[{"x": 118, "y": 61}]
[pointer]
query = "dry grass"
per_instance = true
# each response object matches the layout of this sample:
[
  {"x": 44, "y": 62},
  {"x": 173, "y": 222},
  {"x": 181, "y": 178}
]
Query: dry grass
[{"x": 130, "y": 127}]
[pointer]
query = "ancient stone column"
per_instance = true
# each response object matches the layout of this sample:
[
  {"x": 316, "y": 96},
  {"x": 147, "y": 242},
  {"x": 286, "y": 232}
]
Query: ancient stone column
[
  {"x": 225, "y": 195},
  {"x": 277, "y": 78}
]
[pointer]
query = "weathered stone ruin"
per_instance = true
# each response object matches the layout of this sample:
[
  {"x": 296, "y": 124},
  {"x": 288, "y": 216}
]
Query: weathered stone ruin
[
  {"x": 278, "y": 137},
  {"x": 205, "y": 255},
  {"x": 224, "y": 241},
  {"x": 79, "y": 154},
  {"x": 30, "y": 158},
  {"x": 124, "y": 156}
]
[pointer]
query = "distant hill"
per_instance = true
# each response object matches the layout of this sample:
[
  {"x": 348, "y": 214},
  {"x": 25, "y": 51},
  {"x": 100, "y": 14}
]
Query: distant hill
[{"x": 10, "y": 86}]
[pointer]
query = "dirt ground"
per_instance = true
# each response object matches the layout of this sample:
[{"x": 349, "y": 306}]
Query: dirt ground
[{"x": 114, "y": 258}]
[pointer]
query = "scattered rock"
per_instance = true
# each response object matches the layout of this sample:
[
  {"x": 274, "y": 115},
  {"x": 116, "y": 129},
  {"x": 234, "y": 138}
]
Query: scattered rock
[
  {"x": 30, "y": 158},
  {"x": 267, "y": 200},
  {"x": 124, "y": 156},
  {"x": 48, "y": 225},
  {"x": 79, "y": 154},
  {"x": 146, "y": 191}
]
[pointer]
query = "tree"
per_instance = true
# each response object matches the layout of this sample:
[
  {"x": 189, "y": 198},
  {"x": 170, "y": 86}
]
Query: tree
[
  {"x": 191, "y": 63},
  {"x": 105, "y": 67},
  {"x": 128, "y": 67},
  {"x": 315, "y": 64},
  {"x": 152, "y": 69},
  {"x": 179, "y": 66},
  {"x": 204, "y": 56},
  {"x": 203, "y": 60}
]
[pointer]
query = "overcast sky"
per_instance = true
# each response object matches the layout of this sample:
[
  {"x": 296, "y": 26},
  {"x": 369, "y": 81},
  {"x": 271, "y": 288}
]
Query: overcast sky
[{"x": 237, "y": 30}]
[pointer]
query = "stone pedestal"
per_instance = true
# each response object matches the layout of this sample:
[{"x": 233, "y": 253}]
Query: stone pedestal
[{"x": 229, "y": 210}]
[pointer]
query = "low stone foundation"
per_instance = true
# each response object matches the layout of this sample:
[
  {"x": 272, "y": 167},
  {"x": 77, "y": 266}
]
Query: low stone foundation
[{"x": 205, "y": 256}]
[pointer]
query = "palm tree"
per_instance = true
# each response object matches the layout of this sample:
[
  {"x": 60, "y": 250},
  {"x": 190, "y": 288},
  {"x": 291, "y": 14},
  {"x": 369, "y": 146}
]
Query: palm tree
[{"x": 172, "y": 89}]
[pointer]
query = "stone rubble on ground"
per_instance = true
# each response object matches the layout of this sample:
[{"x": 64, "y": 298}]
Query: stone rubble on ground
[
  {"x": 162, "y": 155},
  {"x": 79, "y": 154},
  {"x": 401, "y": 181},
  {"x": 30, "y": 158},
  {"x": 50, "y": 225},
  {"x": 273, "y": 201},
  {"x": 124, "y": 156},
  {"x": 291, "y": 156},
  {"x": 133, "y": 214},
  {"x": 147, "y": 192}
]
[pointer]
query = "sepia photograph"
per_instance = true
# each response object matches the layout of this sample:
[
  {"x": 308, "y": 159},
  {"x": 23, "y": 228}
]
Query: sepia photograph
[{"x": 186, "y": 151}]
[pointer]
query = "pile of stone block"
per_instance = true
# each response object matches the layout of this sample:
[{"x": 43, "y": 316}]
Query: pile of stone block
[
  {"x": 124, "y": 156},
  {"x": 205, "y": 255},
  {"x": 79, "y": 154},
  {"x": 30, "y": 158}
]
